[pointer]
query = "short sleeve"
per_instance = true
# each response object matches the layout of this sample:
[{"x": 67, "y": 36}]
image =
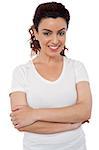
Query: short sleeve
[
  {"x": 80, "y": 72},
  {"x": 18, "y": 80}
]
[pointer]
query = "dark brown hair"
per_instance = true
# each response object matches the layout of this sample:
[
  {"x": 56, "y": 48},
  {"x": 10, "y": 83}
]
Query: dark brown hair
[{"x": 47, "y": 10}]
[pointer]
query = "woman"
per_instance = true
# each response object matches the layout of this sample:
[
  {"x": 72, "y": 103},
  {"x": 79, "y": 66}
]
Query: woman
[{"x": 50, "y": 95}]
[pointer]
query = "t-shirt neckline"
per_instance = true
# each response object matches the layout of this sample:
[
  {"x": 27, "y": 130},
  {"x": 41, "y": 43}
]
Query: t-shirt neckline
[{"x": 45, "y": 80}]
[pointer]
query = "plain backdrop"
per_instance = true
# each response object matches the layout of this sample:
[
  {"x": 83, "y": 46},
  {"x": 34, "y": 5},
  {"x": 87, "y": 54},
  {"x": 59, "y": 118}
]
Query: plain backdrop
[{"x": 82, "y": 41}]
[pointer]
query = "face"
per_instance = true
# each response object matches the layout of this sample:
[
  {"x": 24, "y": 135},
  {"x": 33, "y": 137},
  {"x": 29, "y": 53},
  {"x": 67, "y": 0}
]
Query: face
[{"x": 51, "y": 35}]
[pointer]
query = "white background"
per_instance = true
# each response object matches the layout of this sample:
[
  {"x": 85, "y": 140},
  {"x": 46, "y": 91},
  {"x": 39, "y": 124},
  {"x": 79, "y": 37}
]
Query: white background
[{"x": 82, "y": 41}]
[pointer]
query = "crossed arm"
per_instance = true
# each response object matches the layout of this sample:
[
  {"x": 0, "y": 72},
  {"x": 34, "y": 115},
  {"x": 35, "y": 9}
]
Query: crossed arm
[
  {"x": 51, "y": 120},
  {"x": 40, "y": 127}
]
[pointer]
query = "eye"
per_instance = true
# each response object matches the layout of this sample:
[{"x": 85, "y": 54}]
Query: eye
[
  {"x": 46, "y": 33},
  {"x": 62, "y": 33}
]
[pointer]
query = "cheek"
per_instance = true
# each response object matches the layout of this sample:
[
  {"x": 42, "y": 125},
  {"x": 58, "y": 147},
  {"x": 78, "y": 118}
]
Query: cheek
[
  {"x": 63, "y": 39},
  {"x": 44, "y": 41}
]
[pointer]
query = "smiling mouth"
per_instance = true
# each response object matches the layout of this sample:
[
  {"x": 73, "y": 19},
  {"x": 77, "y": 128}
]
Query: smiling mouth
[{"x": 54, "y": 48}]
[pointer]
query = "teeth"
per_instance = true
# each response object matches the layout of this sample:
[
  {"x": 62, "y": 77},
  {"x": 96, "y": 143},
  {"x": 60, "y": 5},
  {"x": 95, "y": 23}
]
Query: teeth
[{"x": 53, "y": 47}]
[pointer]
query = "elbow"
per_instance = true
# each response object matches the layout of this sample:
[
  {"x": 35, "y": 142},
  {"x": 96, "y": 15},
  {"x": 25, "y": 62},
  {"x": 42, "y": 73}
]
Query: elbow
[
  {"x": 86, "y": 112},
  {"x": 86, "y": 116},
  {"x": 21, "y": 130},
  {"x": 89, "y": 115}
]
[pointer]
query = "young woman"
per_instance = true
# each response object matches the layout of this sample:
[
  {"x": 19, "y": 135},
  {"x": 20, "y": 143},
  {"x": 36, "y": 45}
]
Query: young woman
[{"x": 50, "y": 95}]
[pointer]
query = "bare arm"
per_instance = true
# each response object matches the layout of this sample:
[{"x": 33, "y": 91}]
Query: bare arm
[
  {"x": 18, "y": 99},
  {"x": 42, "y": 127},
  {"x": 79, "y": 112}
]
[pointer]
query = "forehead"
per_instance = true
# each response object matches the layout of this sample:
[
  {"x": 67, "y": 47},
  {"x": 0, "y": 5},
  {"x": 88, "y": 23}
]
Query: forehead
[{"x": 52, "y": 23}]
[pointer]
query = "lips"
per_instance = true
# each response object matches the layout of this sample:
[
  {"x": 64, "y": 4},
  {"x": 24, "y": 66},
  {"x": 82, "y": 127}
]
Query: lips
[{"x": 54, "y": 48}]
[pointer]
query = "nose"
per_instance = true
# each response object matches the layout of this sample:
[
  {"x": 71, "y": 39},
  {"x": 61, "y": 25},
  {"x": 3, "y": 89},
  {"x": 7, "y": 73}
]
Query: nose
[{"x": 55, "y": 39}]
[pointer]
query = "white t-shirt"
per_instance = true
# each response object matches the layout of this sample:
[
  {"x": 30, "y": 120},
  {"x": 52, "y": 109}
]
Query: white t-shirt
[{"x": 42, "y": 93}]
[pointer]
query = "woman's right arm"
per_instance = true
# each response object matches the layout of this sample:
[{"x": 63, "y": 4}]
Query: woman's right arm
[
  {"x": 19, "y": 98},
  {"x": 41, "y": 127}
]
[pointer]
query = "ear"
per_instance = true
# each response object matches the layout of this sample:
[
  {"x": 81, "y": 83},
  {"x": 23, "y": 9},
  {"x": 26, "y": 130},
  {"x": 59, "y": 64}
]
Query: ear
[{"x": 35, "y": 33}]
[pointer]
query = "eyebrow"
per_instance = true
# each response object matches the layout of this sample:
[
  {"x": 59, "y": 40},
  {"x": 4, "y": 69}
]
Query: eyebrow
[{"x": 51, "y": 31}]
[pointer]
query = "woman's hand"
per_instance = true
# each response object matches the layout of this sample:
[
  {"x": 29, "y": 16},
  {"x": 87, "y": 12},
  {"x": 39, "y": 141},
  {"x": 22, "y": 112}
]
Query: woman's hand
[{"x": 23, "y": 116}]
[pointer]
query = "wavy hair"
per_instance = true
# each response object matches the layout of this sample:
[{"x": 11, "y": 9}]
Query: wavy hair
[{"x": 47, "y": 10}]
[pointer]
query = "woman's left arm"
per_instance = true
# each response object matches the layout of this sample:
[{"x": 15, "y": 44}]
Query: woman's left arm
[{"x": 79, "y": 112}]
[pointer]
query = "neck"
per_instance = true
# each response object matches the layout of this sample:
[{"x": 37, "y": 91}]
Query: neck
[{"x": 49, "y": 59}]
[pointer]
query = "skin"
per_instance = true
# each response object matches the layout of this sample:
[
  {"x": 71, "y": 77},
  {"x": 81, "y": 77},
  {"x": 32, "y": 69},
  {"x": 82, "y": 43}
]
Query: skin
[{"x": 51, "y": 33}]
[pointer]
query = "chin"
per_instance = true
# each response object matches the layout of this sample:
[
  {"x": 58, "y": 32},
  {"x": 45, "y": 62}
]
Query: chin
[{"x": 53, "y": 54}]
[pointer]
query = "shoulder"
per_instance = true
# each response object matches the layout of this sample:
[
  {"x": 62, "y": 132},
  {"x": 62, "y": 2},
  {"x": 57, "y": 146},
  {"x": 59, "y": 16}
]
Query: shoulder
[
  {"x": 22, "y": 68},
  {"x": 74, "y": 63},
  {"x": 79, "y": 70}
]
